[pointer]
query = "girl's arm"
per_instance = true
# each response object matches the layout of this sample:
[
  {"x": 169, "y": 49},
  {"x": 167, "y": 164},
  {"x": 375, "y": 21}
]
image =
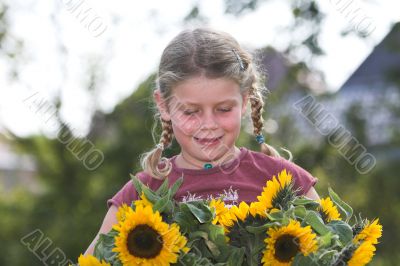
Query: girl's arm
[
  {"x": 312, "y": 194},
  {"x": 109, "y": 220}
]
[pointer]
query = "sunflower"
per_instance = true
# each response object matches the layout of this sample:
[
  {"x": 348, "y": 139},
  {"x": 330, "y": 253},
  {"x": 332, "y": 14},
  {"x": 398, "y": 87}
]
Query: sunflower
[
  {"x": 256, "y": 210},
  {"x": 239, "y": 213},
  {"x": 90, "y": 260},
  {"x": 123, "y": 210},
  {"x": 228, "y": 218},
  {"x": 144, "y": 239},
  {"x": 362, "y": 255},
  {"x": 284, "y": 243},
  {"x": 277, "y": 193},
  {"x": 371, "y": 232},
  {"x": 222, "y": 214},
  {"x": 328, "y": 210},
  {"x": 143, "y": 201}
]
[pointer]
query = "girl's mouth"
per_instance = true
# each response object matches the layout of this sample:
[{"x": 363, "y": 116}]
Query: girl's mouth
[{"x": 208, "y": 141}]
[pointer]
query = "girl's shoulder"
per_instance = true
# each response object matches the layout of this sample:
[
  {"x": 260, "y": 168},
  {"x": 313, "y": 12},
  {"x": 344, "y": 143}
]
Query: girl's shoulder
[
  {"x": 274, "y": 165},
  {"x": 259, "y": 156},
  {"x": 255, "y": 157},
  {"x": 261, "y": 160}
]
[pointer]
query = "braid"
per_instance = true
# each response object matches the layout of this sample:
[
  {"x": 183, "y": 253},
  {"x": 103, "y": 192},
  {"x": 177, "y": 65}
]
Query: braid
[
  {"x": 150, "y": 161},
  {"x": 167, "y": 133},
  {"x": 257, "y": 103}
]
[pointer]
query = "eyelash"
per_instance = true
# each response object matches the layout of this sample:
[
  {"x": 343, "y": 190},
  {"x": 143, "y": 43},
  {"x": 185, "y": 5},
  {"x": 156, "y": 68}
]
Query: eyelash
[
  {"x": 191, "y": 112},
  {"x": 224, "y": 110}
]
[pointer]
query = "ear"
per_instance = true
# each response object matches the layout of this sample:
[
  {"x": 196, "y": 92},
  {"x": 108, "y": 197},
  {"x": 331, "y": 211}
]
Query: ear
[{"x": 162, "y": 105}]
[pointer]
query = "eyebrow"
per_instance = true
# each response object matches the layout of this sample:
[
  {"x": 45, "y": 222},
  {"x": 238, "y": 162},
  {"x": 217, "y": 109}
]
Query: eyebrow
[{"x": 229, "y": 101}]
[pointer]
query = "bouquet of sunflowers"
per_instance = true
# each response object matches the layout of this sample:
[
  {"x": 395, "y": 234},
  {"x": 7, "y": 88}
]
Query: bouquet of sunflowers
[{"x": 280, "y": 228}]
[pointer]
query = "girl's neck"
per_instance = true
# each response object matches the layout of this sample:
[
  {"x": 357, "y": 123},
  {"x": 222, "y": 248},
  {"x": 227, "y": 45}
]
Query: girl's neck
[{"x": 185, "y": 161}]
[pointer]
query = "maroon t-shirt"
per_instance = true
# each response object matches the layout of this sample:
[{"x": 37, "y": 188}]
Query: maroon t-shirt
[{"x": 239, "y": 180}]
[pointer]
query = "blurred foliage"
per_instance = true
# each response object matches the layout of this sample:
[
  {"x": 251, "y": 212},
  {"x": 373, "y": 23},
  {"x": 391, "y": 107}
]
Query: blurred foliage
[
  {"x": 10, "y": 46},
  {"x": 307, "y": 19},
  {"x": 70, "y": 209}
]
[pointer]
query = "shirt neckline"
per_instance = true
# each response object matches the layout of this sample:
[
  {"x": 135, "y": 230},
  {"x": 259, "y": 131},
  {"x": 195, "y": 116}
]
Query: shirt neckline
[{"x": 227, "y": 167}]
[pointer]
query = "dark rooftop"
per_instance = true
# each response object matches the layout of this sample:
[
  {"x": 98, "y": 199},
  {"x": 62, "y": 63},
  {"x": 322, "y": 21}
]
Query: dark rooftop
[{"x": 383, "y": 62}]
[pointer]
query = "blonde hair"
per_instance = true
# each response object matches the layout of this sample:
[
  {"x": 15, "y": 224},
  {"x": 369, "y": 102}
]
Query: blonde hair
[{"x": 214, "y": 54}]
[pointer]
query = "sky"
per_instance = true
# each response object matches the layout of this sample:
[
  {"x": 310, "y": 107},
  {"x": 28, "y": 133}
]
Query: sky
[{"x": 131, "y": 46}]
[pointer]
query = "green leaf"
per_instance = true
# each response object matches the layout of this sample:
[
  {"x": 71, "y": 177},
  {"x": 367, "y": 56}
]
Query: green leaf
[
  {"x": 186, "y": 223},
  {"x": 161, "y": 204},
  {"x": 198, "y": 234},
  {"x": 343, "y": 207},
  {"x": 342, "y": 229},
  {"x": 285, "y": 220},
  {"x": 276, "y": 216},
  {"x": 328, "y": 257},
  {"x": 313, "y": 219},
  {"x": 163, "y": 189},
  {"x": 236, "y": 257},
  {"x": 325, "y": 240},
  {"x": 174, "y": 188},
  {"x": 104, "y": 245},
  {"x": 260, "y": 229},
  {"x": 117, "y": 263},
  {"x": 300, "y": 211},
  {"x": 193, "y": 259},
  {"x": 150, "y": 195},
  {"x": 301, "y": 260},
  {"x": 201, "y": 211},
  {"x": 305, "y": 201},
  {"x": 213, "y": 230},
  {"x": 184, "y": 218},
  {"x": 212, "y": 247},
  {"x": 137, "y": 184}
]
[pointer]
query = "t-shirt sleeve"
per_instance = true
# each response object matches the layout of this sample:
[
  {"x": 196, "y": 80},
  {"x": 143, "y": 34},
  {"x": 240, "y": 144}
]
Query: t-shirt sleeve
[
  {"x": 303, "y": 180},
  {"x": 125, "y": 195}
]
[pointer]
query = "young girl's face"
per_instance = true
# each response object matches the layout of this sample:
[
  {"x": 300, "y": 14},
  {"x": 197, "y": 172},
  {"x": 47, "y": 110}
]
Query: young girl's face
[{"x": 206, "y": 116}]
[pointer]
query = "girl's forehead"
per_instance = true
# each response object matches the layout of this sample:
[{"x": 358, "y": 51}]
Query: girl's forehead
[
  {"x": 202, "y": 89},
  {"x": 202, "y": 80}
]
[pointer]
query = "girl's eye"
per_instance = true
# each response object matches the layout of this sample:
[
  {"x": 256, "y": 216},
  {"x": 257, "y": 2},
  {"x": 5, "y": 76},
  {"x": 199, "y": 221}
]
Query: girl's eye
[
  {"x": 189, "y": 112},
  {"x": 224, "y": 110}
]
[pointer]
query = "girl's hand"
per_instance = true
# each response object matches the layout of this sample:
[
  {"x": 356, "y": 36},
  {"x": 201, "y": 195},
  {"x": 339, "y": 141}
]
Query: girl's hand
[{"x": 312, "y": 194}]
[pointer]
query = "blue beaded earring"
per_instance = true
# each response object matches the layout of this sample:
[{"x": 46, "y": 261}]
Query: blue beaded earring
[{"x": 260, "y": 139}]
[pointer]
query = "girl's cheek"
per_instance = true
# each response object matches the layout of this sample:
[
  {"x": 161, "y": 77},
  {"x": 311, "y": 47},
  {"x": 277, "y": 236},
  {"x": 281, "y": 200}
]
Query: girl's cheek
[
  {"x": 230, "y": 122},
  {"x": 188, "y": 124}
]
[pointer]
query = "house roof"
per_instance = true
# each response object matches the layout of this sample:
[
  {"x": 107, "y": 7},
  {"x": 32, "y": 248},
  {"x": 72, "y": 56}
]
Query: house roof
[{"x": 384, "y": 60}]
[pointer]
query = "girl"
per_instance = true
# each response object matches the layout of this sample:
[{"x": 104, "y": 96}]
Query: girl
[{"x": 205, "y": 81}]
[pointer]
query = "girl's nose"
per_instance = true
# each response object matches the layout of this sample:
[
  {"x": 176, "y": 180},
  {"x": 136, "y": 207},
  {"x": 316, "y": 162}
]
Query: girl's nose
[{"x": 209, "y": 121}]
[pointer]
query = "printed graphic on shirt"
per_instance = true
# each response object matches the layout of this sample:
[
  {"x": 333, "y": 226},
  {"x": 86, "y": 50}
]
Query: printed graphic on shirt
[{"x": 230, "y": 197}]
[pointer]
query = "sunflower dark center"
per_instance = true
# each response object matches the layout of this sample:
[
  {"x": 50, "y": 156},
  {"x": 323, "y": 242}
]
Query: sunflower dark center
[
  {"x": 324, "y": 216},
  {"x": 144, "y": 242},
  {"x": 345, "y": 256},
  {"x": 286, "y": 247},
  {"x": 357, "y": 229}
]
